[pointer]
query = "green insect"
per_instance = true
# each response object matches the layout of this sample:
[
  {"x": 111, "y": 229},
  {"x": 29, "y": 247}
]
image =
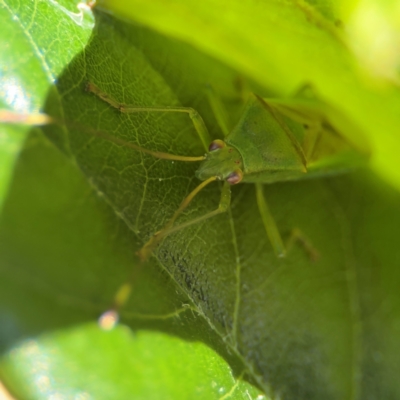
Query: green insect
[{"x": 275, "y": 140}]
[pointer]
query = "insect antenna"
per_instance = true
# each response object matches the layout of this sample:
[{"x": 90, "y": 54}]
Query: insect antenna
[{"x": 40, "y": 119}]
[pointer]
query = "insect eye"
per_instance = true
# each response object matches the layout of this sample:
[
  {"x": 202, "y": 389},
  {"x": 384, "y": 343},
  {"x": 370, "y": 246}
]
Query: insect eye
[
  {"x": 216, "y": 145},
  {"x": 235, "y": 177}
]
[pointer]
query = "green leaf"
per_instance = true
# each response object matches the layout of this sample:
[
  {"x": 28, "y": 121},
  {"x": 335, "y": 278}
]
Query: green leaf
[
  {"x": 300, "y": 330},
  {"x": 150, "y": 365},
  {"x": 32, "y": 58},
  {"x": 64, "y": 254}
]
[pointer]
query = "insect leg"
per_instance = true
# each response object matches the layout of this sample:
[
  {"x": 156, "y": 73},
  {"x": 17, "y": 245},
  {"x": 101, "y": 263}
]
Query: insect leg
[
  {"x": 306, "y": 90},
  {"x": 110, "y": 318},
  {"x": 298, "y": 236},
  {"x": 218, "y": 109},
  {"x": 269, "y": 223},
  {"x": 273, "y": 234},
  {"x": 243, "y": 88},
  {"x": 313, "y": 135},
  {"x": 223, "y": 205},
  {"x": 195, "y": 117}
]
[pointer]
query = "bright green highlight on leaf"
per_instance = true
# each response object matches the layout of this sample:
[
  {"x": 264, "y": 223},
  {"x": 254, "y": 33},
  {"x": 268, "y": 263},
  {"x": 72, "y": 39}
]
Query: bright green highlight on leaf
[
  {"x": 373, "y": 29},
  {"x": 153, "y": 366},
  {"x": 283, "y": 45},
  {"x": 32, "y": 55}
]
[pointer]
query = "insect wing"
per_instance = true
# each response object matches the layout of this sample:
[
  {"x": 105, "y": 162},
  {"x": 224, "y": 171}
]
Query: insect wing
[{"x": 268, "y": 146}]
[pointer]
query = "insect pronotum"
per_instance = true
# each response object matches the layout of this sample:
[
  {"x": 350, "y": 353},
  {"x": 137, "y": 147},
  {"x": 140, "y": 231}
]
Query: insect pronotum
[{"x": 275, "y": 140}]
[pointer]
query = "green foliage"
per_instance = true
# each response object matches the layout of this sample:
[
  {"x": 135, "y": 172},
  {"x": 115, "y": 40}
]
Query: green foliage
[{"x": 74, "y": 216}]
